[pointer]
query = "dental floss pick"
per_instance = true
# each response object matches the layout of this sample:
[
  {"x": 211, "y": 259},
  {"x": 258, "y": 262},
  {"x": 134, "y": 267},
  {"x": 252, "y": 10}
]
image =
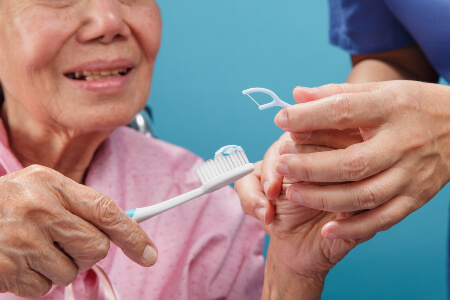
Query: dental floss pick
[{"x": 276, "y": 101}]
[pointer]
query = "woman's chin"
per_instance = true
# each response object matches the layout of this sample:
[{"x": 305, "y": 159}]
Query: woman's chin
[{"x": 105, "y": 121}]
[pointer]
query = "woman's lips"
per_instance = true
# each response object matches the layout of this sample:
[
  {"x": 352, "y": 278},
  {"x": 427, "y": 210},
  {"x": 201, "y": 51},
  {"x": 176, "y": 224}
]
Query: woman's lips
[{"x": 105, "y": 77}]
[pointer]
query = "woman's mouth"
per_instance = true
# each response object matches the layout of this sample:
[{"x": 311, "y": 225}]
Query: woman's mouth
[
  {"x": 98, "y": 75},
  {"x": 102, "y": 77}
]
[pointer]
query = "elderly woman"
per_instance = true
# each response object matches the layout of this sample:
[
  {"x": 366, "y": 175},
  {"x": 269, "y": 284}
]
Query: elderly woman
[{"x": 73, "y": 72}]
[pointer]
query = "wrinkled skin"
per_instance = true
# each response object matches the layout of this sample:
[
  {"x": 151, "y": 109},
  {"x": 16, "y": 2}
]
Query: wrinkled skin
[
  {"x": 295, "y": 230},
  {"x": 53, "y": 227},
  {"x": 68, "y": 229},
  {"x": 390, "y": 153}
]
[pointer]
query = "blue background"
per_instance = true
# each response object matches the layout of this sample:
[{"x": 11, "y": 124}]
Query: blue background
[{"x": 211, "y": 51}]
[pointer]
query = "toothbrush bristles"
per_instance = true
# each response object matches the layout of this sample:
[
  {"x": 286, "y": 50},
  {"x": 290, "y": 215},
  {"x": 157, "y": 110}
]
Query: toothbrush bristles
[
  {"x": 221, "y": 164},
  {"x": 254, "y": 100}
]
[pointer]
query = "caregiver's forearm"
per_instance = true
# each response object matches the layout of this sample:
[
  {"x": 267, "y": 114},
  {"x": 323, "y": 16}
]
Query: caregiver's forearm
[
  {"x": 372, "y": 70},
  {"x": 407, "y": 63}
]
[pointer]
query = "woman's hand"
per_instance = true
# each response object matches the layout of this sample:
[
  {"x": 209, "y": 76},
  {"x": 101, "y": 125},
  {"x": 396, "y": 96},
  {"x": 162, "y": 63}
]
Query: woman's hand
[
  {"x": 401, "y": 162},
  {"x": 299, "y": 257},
  {"x": 256, "y": 202},
  {"x": 52, "y": 229}
]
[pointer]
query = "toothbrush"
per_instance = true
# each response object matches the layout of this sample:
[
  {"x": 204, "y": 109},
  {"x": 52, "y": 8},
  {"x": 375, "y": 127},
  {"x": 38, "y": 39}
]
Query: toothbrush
[
  {"x": 276, "y": 100},
  {"x": 228, "y": 165}
]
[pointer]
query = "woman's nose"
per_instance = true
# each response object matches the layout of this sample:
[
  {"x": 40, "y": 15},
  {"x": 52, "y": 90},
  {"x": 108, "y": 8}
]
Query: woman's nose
[{"x": 103, "y": 22}]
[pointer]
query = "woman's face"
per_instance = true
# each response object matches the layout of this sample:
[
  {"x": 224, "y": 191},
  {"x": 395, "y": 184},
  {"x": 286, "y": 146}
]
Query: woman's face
[{"x": 78, "y": 64}]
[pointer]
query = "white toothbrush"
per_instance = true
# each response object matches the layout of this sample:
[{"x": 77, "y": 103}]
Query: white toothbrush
[{"x": 228, "y": 165}]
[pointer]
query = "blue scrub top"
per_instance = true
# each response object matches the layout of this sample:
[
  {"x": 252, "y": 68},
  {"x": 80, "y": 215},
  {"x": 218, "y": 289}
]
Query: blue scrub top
[{"x": 371, "y": 26}]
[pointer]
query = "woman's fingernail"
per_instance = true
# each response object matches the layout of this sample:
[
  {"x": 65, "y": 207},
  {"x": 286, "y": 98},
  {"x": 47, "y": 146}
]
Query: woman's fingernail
[
  {"x": 266, "y": 187},
  {"x": 260, "y": 212},
  {"x": 296, "y": 197},
  {"x": 282, "y": 168},
  {"x": 327, "y": 227},
  {"x": 150, "y": 255},
  {"x": 281, "y": 119}
]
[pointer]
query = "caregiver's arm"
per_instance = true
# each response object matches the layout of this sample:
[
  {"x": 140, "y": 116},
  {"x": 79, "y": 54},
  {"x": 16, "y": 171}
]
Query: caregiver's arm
[{"x": 407, "y": 63}]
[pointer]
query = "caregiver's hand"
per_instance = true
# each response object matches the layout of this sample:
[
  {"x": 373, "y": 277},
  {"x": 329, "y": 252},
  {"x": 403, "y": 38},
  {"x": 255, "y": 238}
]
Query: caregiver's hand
[
  {"x": 401, "y": 163},
  {"x": 52, "y": 228},
  {"x": 267, "y": 182}
]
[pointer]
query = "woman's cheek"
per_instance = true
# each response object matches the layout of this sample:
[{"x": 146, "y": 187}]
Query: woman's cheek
[{"x": 145, "y": 23}]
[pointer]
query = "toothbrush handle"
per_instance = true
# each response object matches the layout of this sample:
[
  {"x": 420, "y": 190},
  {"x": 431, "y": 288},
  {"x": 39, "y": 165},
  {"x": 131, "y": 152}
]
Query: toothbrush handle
[{"x": 144, "y": 213}]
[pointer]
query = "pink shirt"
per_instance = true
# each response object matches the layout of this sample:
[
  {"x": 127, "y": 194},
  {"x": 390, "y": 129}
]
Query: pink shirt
[{"x": 208, "y": 249}]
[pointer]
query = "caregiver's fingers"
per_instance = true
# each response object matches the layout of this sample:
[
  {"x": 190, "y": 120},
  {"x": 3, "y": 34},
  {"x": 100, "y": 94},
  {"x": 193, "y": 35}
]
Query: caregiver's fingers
[
  {"x": 305, "y": 94},
  {"x": 293, "y": 148},
  {"x": 332, "y": 138},
  {"x": 365, "y": 239},
  {"x": 103, "y": 212},
  {"x": 353, "y": 196},
  {"x": 253, "y": 200},
  {"x": 354, "y": 163},
  {"x": 270, "y": 179},
  {"x": 372, "y": 221},
  {"x": 347, "y": 215},
  {"x": 340, "y": 111}
]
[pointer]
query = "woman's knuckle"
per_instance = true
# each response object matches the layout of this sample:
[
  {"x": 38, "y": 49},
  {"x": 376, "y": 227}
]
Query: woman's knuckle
[
  {"x": 101, "y": 245},
  {"x": 3, "y": 287},
  {"x": 42, "y": 179},
  {"x": 136, "y": 237},
  {"x": 40, "y": 172},
  {"x": 39, "y": 288},
  {"x": 70, "y": 275},
  {"x": 105, "y": 210},
  {"x": 7, "y": 266}
]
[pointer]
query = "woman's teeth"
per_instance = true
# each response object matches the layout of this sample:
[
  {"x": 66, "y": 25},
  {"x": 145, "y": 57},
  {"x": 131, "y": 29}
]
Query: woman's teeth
[{"x": 98, "y": 75}]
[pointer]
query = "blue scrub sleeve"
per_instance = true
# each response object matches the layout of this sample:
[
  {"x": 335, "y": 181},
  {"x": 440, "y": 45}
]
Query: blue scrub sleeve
[{"x": 365, "y": 27}]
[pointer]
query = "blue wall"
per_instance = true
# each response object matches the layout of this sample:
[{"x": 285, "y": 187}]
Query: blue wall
[{"x": 211, "y": 51}]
